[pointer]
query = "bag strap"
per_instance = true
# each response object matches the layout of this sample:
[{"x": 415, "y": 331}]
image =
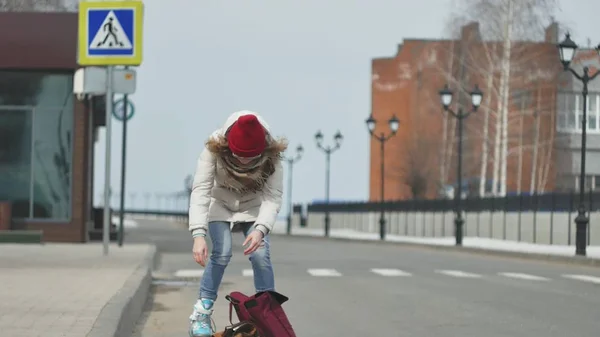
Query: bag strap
[
  {"x": 230, "y": 330},
  {"x": 228, "y": 298}
]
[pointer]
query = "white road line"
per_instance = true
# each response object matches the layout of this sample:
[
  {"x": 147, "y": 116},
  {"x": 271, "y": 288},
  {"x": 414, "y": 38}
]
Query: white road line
[
  {"x": 248, "y": 272},
  {"x": 390, "y": 272},
  {"x": 189, "y": 273},
  {"x": 458, "y": 273},
  {"x": 324, "y": 272},
  {"x": 585, "y": 278},
  {"x": 525, "y": 276}
]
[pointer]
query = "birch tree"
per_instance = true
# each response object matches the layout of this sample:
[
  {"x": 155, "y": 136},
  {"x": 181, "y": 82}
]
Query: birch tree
[{"x": 504, "y": 60}]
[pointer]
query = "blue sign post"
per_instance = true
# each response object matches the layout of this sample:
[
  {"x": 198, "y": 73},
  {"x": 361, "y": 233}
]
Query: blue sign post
[{"x": 110, "y": 34}]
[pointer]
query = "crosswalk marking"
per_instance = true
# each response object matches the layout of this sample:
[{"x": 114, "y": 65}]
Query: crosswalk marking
[
  {"x": 458, "y": 273},
  {"x": 585, "y": 278},
  {"x": 525, "y": 276},
  {"x": 324, "y": 272},
  {"x": 393, "y": 272},
  {"x": 189, "y": 273},
  {"x": 390, "y": 272}
]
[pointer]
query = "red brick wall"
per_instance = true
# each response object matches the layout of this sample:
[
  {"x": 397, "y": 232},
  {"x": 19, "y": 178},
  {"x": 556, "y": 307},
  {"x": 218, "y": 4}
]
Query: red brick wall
[
  {"x": 5, "y": 215},
  {"x": 408, "y": 84}
]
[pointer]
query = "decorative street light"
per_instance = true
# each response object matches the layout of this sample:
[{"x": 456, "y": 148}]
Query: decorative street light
[
  {"x": 291, "y": 161},
  {"x": 446, "y": 96},
  {"x": 328, "y": 151},
  {"x": 393, "y": 123},
  {"x": 567, "y": 49}
]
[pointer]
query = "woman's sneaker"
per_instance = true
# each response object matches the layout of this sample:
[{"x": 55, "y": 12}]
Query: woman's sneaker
[{"x": 200, "y": 320}]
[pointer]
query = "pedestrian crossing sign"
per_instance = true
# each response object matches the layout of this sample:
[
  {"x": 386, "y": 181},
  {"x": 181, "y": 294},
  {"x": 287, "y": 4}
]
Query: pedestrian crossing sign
[{"x": 110, "y": 33}]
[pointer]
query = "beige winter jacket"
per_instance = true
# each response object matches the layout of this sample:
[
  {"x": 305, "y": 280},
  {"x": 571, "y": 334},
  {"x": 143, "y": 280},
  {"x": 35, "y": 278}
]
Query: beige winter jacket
[{"x": 210, "y": 201}]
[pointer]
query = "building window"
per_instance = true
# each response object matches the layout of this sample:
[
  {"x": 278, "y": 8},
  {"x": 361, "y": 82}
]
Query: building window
[
  {"x": 36, "y": 128},
  {"x": 570, "y": 114}
]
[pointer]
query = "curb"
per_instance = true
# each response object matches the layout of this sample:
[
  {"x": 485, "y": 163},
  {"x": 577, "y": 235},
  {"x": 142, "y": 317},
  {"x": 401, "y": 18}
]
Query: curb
[
  {"x": 574, "y": 260},
  {"x": 120, "y": 314}
]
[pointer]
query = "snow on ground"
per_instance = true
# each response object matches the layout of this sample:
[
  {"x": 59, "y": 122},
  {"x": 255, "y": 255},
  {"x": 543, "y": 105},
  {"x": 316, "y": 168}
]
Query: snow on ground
[
  {"x": 473, "y": 242},
  {"x": 127, "y": 223}
]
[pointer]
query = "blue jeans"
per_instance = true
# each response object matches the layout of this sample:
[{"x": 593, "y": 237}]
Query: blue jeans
[{"x": 220, "y": 235}]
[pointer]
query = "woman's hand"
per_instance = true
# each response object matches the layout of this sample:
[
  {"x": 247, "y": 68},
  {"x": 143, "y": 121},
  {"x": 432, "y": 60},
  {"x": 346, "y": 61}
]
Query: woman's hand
[
  {"x": 253, "y": 240},
  {"x": 200, "y": 251}
]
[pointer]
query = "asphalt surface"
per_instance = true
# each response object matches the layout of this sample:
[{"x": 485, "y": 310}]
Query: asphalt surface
[{"x": 366, "y": 289}]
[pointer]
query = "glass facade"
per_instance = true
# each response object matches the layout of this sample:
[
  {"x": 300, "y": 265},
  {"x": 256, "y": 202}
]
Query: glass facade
[{"x": 36, "y": 131}]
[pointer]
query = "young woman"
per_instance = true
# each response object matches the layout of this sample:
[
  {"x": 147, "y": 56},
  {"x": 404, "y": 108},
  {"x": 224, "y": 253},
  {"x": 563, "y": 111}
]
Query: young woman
[{"x": 238, "y": 183}]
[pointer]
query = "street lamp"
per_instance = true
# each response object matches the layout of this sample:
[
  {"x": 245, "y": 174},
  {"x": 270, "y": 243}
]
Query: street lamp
[
  {"x": 393, "y": 123},
  {"x": 567, "y": 49},
  {"x": 291, "y": 161},
  {"x": 446, "y": 96},
  {"x": 337, "y": 138}
]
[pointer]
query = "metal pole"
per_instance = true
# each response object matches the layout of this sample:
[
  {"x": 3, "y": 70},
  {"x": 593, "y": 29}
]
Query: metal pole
[
  {"x": 289, "y": 224},
  {"x": 328, "y": 155},
  {"x": 109, "y": 111},
  {"x": 32, "y": 166},
  {"x": 123, "y": 169},
  {"x": 581, "y": 221},
  {"x": 382, "y": 216},
  {"x": 458, "y": 221}
]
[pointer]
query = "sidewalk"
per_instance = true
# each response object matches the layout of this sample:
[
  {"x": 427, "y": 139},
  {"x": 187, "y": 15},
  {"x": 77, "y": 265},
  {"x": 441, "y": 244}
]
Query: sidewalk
[
  {"x": 492, "y": 245},
  {"x": 68, "y": 290}
]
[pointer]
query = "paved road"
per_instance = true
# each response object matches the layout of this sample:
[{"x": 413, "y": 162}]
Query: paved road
[{"x": 365, "y": 289}]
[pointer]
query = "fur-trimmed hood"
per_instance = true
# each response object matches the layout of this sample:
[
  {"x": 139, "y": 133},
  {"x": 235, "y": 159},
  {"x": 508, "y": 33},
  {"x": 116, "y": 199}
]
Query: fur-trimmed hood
[
  {"x": 223, "y": 192},
  {"x": 251, "y": 178}
]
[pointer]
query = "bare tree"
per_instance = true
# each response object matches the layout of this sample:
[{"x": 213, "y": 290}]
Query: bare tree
[
  {"x": 505, "y": 59},
  {"x": 418, "y": 169}
]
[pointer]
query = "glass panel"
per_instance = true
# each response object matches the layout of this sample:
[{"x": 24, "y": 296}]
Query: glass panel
[
  {"x": 597, "y": 182},
  {"x": 593, "y": 104},
  {"x": 579, "y": 120},
  {"x": 51, "y": 122},
  {"x": 592, "y": 122},
  {"x": 53, "y": 128},
  {"x": 588, "y": 183},
  {"x": 571, "y": 120},
  {"x": 15, "y": 158}
]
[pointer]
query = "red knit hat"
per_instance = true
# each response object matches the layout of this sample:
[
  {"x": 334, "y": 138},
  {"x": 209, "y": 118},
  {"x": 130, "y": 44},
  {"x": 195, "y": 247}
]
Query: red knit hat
[{"x": 246, "y": 137}]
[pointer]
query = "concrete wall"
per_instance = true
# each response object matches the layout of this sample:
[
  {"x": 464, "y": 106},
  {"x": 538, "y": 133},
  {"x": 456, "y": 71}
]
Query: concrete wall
[{"x": 542, "y": 228}]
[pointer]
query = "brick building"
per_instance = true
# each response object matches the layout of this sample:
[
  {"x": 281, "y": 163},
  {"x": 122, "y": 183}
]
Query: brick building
[
  {"x": 46, "y": 135},
  {"x": 542, "y": 140}
]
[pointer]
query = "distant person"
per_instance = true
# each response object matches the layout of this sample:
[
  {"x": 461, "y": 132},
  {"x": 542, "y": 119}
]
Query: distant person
[{"x": 237, "y": 185}]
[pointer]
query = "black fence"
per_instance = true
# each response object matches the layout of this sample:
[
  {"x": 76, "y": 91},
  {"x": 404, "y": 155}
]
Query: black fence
[{"x": 544, "y": 218}]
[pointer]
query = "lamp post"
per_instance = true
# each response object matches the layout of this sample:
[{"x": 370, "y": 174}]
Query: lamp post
[
  {"x": 393, "y": 123},
  {"x": 328, "y": 151},
  {"x": 567, "y": 50},
  {"x": 446, "y": 98},
  {"x": 291, "y": 161}
]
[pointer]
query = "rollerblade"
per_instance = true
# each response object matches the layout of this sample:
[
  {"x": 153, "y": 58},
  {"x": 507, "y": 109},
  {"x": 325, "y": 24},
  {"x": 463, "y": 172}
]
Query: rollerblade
[{"x": 200, "y": 320}]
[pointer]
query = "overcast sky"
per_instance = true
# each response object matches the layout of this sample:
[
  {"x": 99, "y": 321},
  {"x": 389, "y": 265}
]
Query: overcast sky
[{"x": 304, "y": 65}]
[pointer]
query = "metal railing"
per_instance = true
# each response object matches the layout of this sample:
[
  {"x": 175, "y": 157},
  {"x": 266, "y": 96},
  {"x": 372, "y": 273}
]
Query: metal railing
[{"x": 543, "y": 219}]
